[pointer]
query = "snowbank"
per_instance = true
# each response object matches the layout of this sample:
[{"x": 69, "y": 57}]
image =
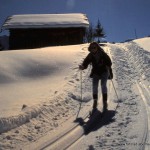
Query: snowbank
[
  {"x": 35, "y": 77},
  {"x": 144, "y": 43}
]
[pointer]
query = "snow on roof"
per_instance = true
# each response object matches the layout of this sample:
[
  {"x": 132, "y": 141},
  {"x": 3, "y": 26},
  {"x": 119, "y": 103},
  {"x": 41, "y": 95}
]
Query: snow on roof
[{"x": 46, "y": 21}]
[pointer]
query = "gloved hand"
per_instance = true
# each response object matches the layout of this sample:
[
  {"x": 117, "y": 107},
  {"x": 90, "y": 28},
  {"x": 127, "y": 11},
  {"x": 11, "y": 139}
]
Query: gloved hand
[{"x": 81, "y": 67}]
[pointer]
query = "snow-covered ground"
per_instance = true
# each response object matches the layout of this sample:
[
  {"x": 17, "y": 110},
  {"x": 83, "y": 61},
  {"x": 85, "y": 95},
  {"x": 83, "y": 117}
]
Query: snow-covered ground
[
  {"x": 129, "y": 128},
  {"x": 32, "y": 76},
  {"x": 144, "y": 43},
  {"x": 47, "y": 82}
]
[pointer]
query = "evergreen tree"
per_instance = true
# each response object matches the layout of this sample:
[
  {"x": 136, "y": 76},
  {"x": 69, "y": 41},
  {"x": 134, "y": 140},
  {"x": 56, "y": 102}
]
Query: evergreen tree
[
  {"x": 89, "y": 35},
  {"x": 99, "y": 31}
]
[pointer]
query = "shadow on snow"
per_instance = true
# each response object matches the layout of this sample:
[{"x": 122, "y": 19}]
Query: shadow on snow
[{"x": 96, "y": 121}]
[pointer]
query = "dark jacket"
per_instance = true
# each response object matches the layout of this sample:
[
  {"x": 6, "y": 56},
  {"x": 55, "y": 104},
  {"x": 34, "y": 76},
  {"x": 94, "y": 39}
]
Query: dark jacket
[{"x": 99, "y": 62}]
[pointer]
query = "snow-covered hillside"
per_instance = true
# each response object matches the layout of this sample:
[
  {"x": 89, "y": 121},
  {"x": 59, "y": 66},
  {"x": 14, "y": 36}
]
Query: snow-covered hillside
[
  {"x": 32, "y": 76},
  {"x": 144, "y": 43},
  {"x": 47, "y": 82}
]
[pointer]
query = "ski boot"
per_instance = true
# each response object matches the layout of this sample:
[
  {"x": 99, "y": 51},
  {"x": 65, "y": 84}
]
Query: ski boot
[{"x": 95, "y": 97}]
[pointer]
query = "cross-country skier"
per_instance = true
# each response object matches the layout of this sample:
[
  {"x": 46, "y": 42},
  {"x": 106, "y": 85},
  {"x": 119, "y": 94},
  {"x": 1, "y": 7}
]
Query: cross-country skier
[{"x": 101, "y": 67}]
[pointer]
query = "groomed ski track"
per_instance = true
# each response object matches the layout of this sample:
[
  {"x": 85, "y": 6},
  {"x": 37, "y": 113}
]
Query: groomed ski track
[
  {"x": 131, "y": 88},
  {"x": 76, "y": 129},
  {"x": 132, "y": 131},
  {"x": 135, "y": 69}
]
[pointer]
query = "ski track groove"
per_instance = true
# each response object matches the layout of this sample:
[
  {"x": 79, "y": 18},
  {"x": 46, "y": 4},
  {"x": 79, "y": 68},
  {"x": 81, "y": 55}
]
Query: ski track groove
[
  {"x": 136, "y": 59},
  {"x": 127, "y": 74}
]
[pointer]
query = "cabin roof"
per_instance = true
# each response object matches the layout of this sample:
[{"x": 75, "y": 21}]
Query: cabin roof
[{"x": 26, "y": 21}]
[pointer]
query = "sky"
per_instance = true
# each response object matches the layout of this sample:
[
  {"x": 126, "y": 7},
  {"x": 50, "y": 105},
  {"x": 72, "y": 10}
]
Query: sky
[{"x": 121, "y": 19}]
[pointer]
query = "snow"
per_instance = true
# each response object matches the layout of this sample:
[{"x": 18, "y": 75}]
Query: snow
[
  {"x": 46, "y": 21},
  {"x": 144, "y": 43},
  {"x": 129, "y": 128},
  {"x": 27, "y": 75},
  {"x": 47, "y": 82}
]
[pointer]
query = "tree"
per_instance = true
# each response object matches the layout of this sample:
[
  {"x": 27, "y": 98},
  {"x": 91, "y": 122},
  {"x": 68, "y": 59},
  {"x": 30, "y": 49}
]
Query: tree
[
  {"x": 89, "y": 35},
  {"x": 99, "y": 31}
]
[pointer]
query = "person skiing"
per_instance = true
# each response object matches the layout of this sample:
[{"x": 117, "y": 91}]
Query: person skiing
[{"x": 101, "y": 67}]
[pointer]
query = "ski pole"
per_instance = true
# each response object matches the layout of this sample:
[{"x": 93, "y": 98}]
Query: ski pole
[
  {"x": 113, "y": 85},
  {"x": 116, "y": 95},
  {"x": 114, "y": 89},
  {"x": 81, "y": 93}
]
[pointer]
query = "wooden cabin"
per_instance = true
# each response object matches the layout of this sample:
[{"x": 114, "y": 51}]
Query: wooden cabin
[{"x": 41, "y": 30}]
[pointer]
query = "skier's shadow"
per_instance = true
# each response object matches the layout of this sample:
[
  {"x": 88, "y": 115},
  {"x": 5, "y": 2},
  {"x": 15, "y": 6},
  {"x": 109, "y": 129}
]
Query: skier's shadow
[{"x": 97, "y": 121}]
